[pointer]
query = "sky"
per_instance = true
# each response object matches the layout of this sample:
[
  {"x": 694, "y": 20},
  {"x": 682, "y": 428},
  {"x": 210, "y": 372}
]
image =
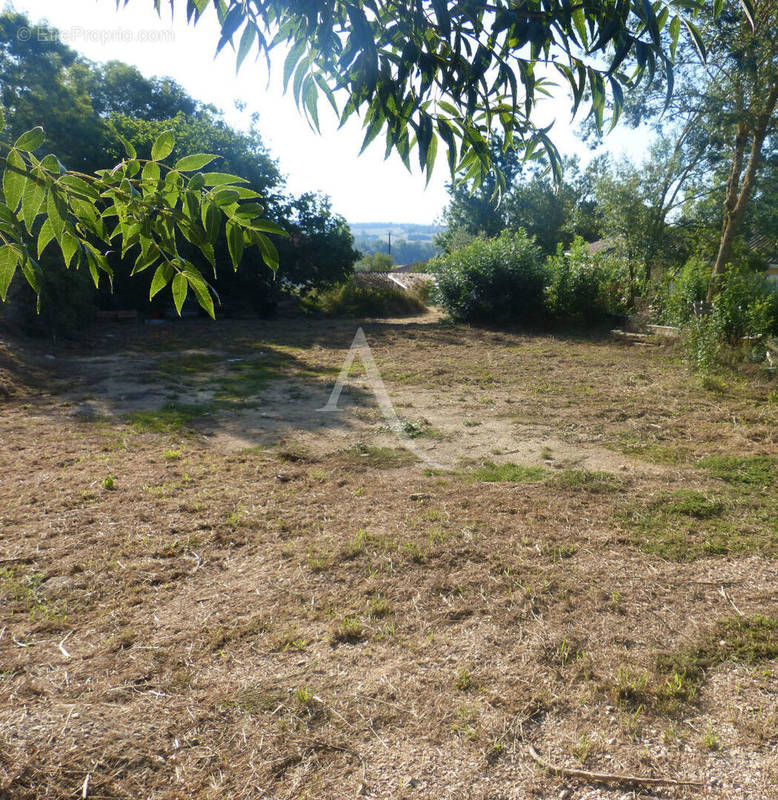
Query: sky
[{"x": 363, "y": 188}]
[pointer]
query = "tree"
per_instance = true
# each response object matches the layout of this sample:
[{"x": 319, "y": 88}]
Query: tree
[
  {"x": 475, "y": 207},
  {"x": 320, "y": 249},
  {"x": 432, "y": 70},
  {"x": 420, "y": 72},
  {"x": 752, "y": 74},
  {"x": 719, "y": 127},
  {"x": 374, "y": 262}
]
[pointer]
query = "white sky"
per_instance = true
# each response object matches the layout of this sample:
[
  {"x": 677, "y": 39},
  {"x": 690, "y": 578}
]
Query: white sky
[{"x": 363, "y": 189}]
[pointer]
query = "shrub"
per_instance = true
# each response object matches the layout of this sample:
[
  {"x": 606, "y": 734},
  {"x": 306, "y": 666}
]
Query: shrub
[
  {"x": 578, "y": 281},
  {"x": 684, "y": 294},
  {"x": 703, "y": 339},
  {"x": 746, "y": 304},
  {"x": 376, "y": 299},
  {"x": 492, "y": 280},
  {"x": 374, "y": 262}
]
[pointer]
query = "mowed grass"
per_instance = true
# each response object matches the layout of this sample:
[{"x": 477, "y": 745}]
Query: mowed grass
[{"x": 317, "y": 615}]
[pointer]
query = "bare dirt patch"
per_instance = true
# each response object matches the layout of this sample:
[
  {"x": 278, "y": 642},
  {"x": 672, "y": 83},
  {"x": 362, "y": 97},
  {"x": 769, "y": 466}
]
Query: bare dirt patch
[{"x": 211, "y": 589}]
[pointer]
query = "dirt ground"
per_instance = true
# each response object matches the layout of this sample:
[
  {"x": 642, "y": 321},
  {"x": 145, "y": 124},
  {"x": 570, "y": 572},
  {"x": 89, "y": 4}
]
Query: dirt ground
[{"x": 211, "y": 588}]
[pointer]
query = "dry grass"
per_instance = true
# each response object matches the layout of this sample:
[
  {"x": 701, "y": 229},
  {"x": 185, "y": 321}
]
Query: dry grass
[{"x": 291, "y": 606}]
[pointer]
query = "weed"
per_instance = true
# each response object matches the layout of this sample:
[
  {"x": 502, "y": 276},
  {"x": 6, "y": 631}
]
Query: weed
[
  {"x": 362, "y": 454},
  {"x": 490, "y": 472},
  {"x": 171, "y": 418},
  {"x": 379, "y": 608},
  {"x": 109, "y": 483},
  {"x": 348, "y": 631},
  {"x": 173, "y": 454},
  {"x": 685, "y": 525},
  {"x": 749, "y": 470},
  {"x": 678, "y": 675},
  {"x": 632, "y": 688},
  {"x": 582, "y": 749},
  {"x": 710, "y": 740},
  {"x": 416, "y": 430},
  {"x": 586, "y": 480},
  {"x": 466, "y": 724},
  {"x": 463, "y": 680},
  {"x": 303, "y": 695}
]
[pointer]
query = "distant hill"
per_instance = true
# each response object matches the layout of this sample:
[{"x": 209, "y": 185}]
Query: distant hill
[{"x": 410, "y": 242}]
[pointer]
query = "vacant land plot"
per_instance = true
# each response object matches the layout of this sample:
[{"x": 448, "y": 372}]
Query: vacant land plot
[{"x": 211, "y": 588}]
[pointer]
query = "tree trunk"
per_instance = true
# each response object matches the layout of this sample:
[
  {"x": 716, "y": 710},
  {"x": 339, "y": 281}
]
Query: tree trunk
[{"x": 738, "y": 195}]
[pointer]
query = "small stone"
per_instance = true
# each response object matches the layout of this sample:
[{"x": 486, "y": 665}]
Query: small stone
[{"x": 565, "y": 794}]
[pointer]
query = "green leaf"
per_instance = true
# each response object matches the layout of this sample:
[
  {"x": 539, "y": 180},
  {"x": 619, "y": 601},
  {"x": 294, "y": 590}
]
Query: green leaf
[
  {"x": 268, "y": 250},
  {"x": 70, "y": 246},
  {"x": 246, "y": 40},
  {"x": 294, "y": 55},
  {"x": 129, "y": 149},
  {"x": 579, "y": 20},
  {"x": 45, "y": 236},
  {"x": 211, "y": 218},
  {"x": 53, "y": 164},
  {"x": 266, "y": 226},
  {"x": 748, "y": 10},
  {"x": 675, "y": 30},
  {"x": 55, "y": 207},
  {"x": 180, "y": 289},
  {"x": 9, "y": 259},
  {"x": 696, "y": 38},
  {"x": 194, "y": 162},
  {"x": 161, "y": 279},
  {"x": 221, "y": 178},
  {"x": 31, "y": 140},
  {"x": 235, "y": 243},
  {"x": 225, "y": 197},
  {"x": 80, "y": 186},
  {"x": 14, "y": 179},
  {"x": 150, "y": 177},
  {"x": 32, "y": 200},
  {"x": 2, "y": 120},
  {"x": 32, "y": 274},
  {"x": 200, "y": 288},
  {"x": 163, "y": 146}
]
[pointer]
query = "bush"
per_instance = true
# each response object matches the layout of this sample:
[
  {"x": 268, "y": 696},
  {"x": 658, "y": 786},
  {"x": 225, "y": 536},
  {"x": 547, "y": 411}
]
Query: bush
[
  {"x": 355, "y": 299},
  {"x": 492, "y": 280},
  {"x": 703, "y": 339},
  {"x": 746, "y": 305},
  {"x": 578, "y": 281},
  {"x": 374, "y": 262},
  {"x": 682, "y": 296}
]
